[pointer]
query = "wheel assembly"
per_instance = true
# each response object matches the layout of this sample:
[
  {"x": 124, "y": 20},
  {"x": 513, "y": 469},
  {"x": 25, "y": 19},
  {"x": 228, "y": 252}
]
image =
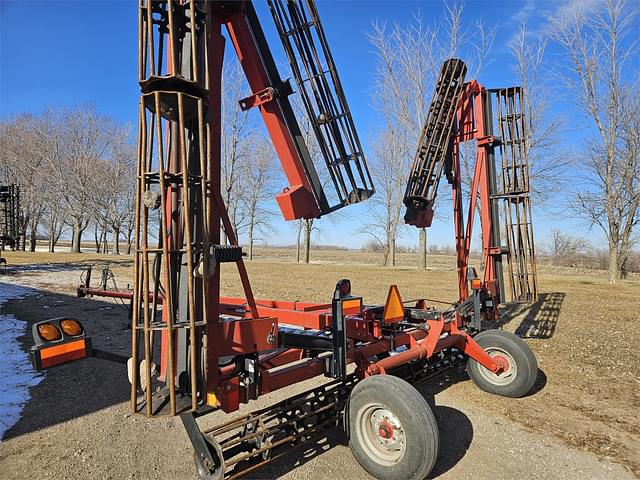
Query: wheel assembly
[
  {"x": 519, "y": 365},
  {"x": 393, "y": 432}
]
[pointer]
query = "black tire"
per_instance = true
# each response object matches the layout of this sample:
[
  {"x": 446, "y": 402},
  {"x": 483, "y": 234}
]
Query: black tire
[
  {"x": 521, "y": 375},
  {"x": 390, "y": 404}
]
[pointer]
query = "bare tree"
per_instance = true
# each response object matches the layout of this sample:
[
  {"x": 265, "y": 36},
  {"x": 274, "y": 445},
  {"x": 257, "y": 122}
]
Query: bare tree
[
  {"x": 126, "y": 208},
  {"x": 390, "y": 163},
  {"x": 73, "y": 166},
  {"x": 546, "y": 164},
  {"x": 76, "y": 143},
  {"x": 306, "y": 226},
  {"x": 53, "y": 218},
  {"x": 257, "y": 180},
  {"x": 602, "y": 52},
  {"x": 24, "y": 163},
  {"x": 564, "y": 245},
  {"x": 409, "y": 58},
  {"x": 630, "y": 154},
  {"x": 235, "y": 131},
  {"x": 120, "y": 205}
]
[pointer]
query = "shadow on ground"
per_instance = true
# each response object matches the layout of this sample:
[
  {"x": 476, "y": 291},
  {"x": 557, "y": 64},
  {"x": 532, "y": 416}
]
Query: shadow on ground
[
  {"x": 74, "y": 389},
  {"x": 23, "y": 269},
  {"x": 537, "y": 320}
]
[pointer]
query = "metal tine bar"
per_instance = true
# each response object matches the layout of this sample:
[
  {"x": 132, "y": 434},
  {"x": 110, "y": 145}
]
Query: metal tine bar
[
  {"x": 454, "y": 88},
  {"x": 521, "y": 262},
  {"x": 173, "y": 51},
  {"x": 283, "y": 19},
  {"x": 324, "y": 98},
  {"x": 340, "y": 114},
  {"x": 437, "y": 145},
  {"x": 142, "y": 44},
  {"x": 270, "y": 430},
  {"x": 513, "y": 134},
  {"x": 149, "y": 29},
  {"x": 192, "y": 22},
  {"x": 337, "y": 124},
  {"x": 145, "y": 265},
  {"x": 136, "y": 265},
  {"x": 520, "y": 251},
  {"x": 336, "y": 135},
  {"x": 509, "y": 235},
  {"x": 524, "y": 135},
  {"x": 528, "y": 244},
  {"x": 168, "y": 299},
  {"x": 349, "y": 127},
  {"x": 206, "y": 243},
  {"x": 534, "y": 267},
  {"x": 186, "y": 207},
  {"x": 161, "y": 56}
]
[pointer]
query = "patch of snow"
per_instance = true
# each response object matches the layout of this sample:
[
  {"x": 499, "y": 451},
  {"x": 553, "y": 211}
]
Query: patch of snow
[{"x": 16, "y": 372}]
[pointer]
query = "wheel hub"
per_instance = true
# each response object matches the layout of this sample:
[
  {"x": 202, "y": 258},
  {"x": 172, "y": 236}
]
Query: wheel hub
[
  {"x": 508, "y": 371},
  {"x": 388, "y": 429},
  {"x": 502, "y": 361}
]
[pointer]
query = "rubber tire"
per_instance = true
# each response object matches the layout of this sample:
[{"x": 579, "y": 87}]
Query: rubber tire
[
  {"x": 525, "y": 360},
  {"x": 416, "y": 417}
]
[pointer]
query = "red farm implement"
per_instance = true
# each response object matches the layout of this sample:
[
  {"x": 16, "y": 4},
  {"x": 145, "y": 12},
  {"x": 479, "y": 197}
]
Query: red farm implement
[{"x": 195, "y": 351}]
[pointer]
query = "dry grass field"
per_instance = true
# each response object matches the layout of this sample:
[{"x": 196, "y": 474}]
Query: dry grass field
[{"x": 582, "y": 331}]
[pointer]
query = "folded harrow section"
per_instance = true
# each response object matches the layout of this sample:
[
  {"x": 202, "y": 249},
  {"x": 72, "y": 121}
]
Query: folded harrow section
[
  {"x": 174, "y": 218},
  {"x": 514, "y": 191},
  {"x": 435, "y": 145},
  {"x": 346, "y": 178}
]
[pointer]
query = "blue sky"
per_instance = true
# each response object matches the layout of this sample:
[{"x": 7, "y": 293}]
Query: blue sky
[{"x": 68, "y": 53}]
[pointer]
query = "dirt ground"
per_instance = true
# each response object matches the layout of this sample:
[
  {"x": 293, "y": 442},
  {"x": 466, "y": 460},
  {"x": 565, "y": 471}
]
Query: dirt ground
[{"x": 581, "y": 421}]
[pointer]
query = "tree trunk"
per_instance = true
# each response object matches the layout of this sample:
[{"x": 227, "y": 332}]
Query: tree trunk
[
  {"x": 23, "y": 232},
  {"x": 103, "y": 242},
  {"x": 613, "y": 263},
  {"x": 393, "y": 252},
  {"x": 76, "y": 238},
  {"x": 116, "y": 240},
  {"x": 96, "y": 239},
  {"x": 250, "y": 234},
  {"x": 52, "y": 244},
  {"x": 32, "y": 239},
  {"x": 298, "y": 234},
  {"x": 422, "y": 250},
  {"x": 129, "y": 240},
  {"x": 308, "y": 226}
]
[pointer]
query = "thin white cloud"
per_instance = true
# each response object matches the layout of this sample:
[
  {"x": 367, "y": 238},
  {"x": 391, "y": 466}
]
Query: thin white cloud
[
  {"x": 523, "y": 15},
  {"x": 567, "y": 11}
]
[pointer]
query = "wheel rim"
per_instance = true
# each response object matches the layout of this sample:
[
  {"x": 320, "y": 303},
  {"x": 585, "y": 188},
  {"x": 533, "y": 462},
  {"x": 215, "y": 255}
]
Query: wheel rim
[
  {"x": 506, "y": 360},
  {"x": 382, "y": 434}
]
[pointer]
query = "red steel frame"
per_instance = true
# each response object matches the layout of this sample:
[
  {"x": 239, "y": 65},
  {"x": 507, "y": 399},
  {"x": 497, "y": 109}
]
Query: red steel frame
[
  {"x": 471, "y": 118},
  {"x": 367, "y": 334},
  {"x": 364, "y": 330}
]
